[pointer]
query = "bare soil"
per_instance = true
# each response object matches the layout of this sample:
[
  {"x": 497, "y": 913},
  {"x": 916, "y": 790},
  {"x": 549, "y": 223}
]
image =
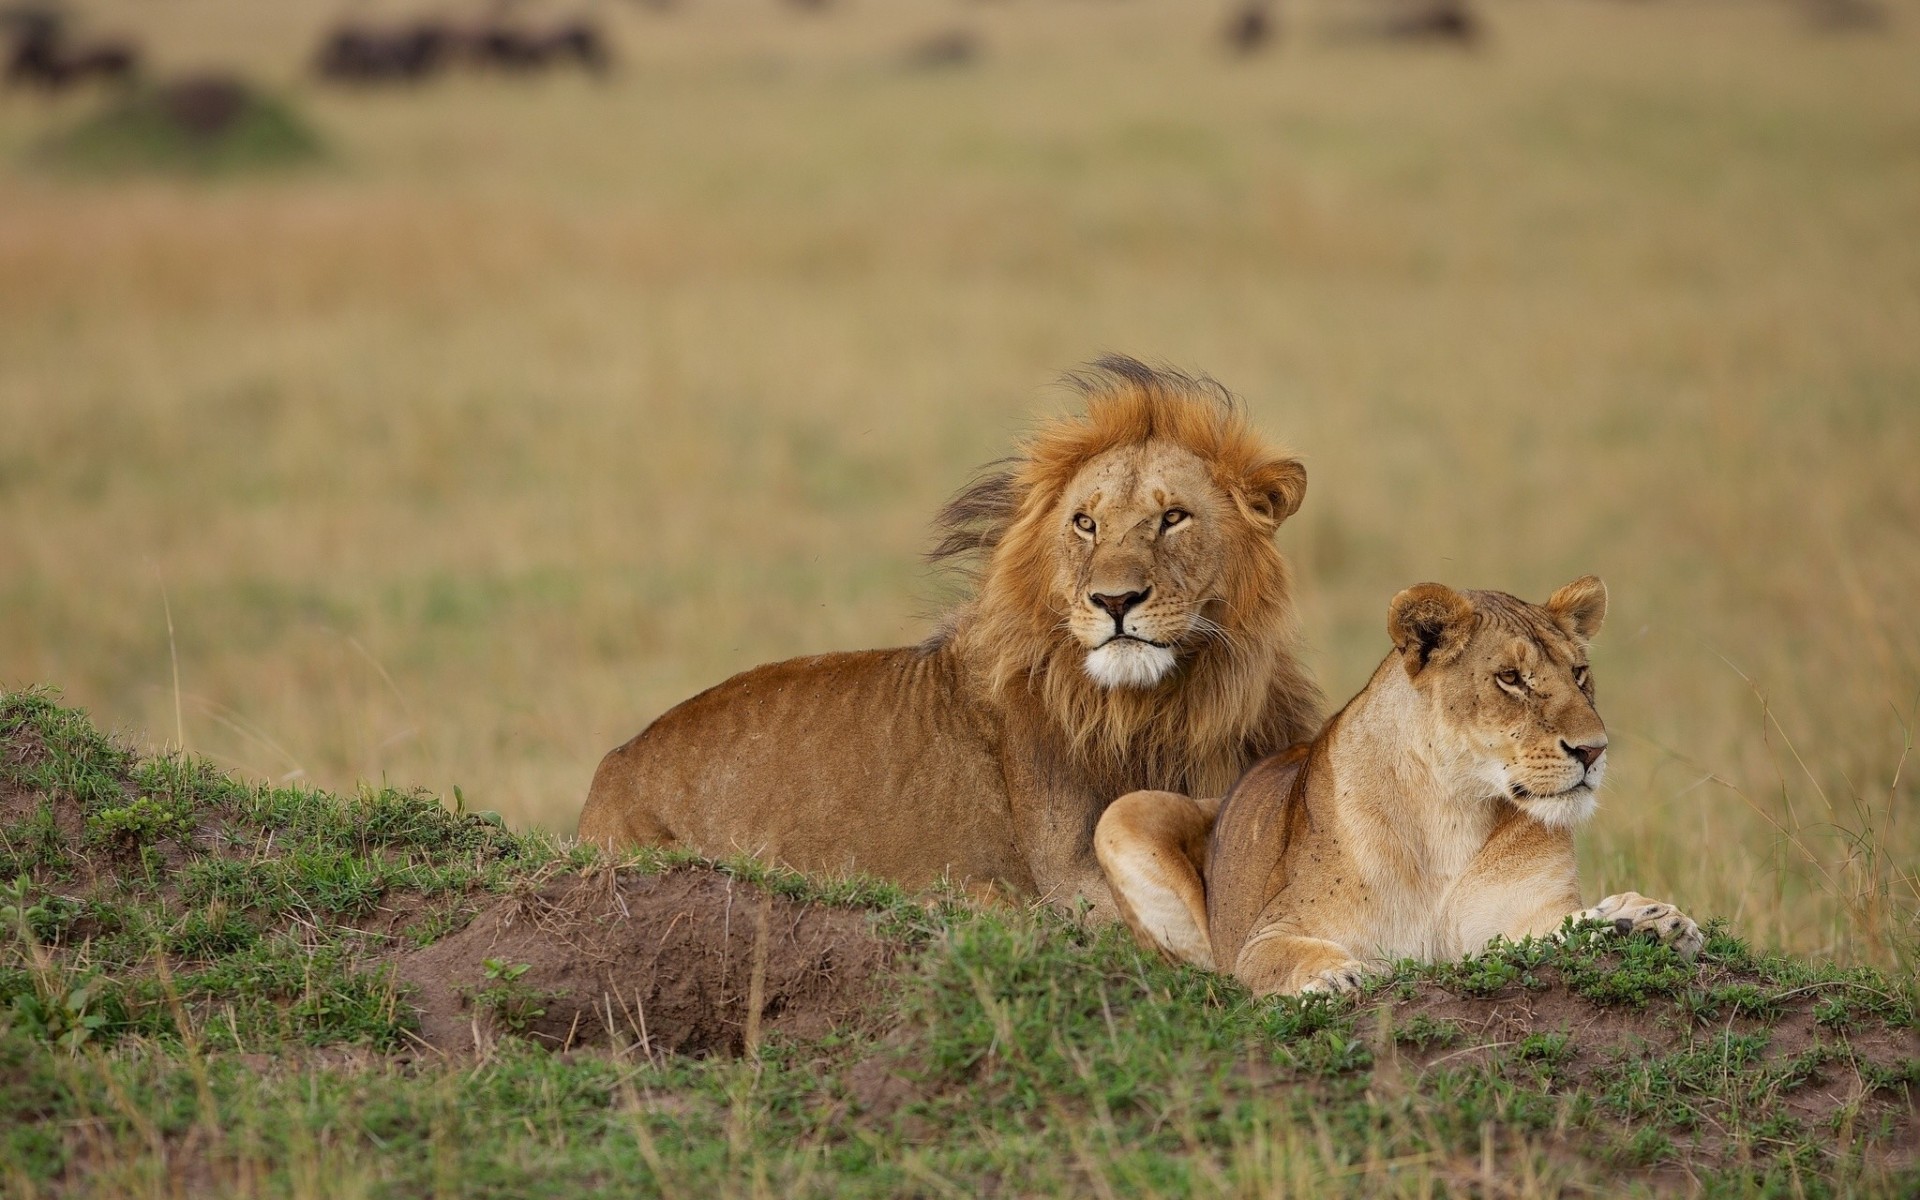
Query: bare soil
[{"x": 689, "y": 962}]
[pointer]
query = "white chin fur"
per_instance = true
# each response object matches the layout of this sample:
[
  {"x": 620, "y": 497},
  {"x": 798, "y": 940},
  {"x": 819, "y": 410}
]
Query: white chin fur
[
  {"x": 1565, "y": 811},
  {"x": 1124, "y": 662}
]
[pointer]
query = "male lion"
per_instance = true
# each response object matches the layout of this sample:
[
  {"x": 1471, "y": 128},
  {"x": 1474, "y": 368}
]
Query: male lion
[
  {"x": 1435, "y": 811},
  {"x": 1132, "y": 626}
]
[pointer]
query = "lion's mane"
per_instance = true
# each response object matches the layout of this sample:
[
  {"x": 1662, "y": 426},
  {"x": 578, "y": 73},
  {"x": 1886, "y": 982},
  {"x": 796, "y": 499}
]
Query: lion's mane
[{"x": 1239, "y": 694}]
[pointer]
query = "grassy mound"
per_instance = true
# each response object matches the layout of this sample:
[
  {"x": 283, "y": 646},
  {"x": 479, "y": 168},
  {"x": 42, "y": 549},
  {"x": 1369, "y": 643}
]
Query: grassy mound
[
  {"x": 219, "y": 988},
  {"x": 200, "y": 126}
]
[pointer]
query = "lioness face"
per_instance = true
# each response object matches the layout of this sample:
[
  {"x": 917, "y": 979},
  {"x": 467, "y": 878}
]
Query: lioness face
[
  {"x": 1509, "y": 684},
  {"x": 1143, "y": 533}
]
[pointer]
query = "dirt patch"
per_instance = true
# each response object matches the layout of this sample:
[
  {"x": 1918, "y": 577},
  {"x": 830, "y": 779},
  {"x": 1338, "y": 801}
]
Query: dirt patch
[
  {"x": 689, "y": 962},
  {"x": 1834, "y": 1085}
]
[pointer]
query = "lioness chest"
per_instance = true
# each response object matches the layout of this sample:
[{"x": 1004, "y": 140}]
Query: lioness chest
[{"x": 1404, "y": 878}]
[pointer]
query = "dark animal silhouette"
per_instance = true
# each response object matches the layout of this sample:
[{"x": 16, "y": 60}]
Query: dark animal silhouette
[
  {"x": 204, "y": 106},
  {"x": 516, "y": 49},
  {"x": 951, "y": 49},
  {"x": 582, "y": 42},
  {"x": 1439, "y": 21},
  {"x": 355, "y": 53},
  {"x": 1250, "y": 28},
  {"x": 1844, "y": 16},
  {"x": 41, "y": 55}
]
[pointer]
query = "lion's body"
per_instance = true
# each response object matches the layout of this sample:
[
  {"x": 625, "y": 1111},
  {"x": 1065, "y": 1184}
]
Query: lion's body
[
  {"x": 1433, "y": 813},
  {"x": 768, "y": 762},
  {"x": 1132, "y": 628}
]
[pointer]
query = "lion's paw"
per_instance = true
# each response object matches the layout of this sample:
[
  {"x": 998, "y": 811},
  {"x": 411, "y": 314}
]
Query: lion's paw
[
  {"x": 1342, "y": 980},
  {"x": 1630, "y": 913}
]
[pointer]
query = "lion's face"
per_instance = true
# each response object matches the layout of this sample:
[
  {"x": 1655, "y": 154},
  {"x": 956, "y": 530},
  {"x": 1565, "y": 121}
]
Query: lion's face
[
  {"x": 1132, "y": 605},
  {"x": 1509, "y": 688},
  {"x": 1142, "y": 533}
]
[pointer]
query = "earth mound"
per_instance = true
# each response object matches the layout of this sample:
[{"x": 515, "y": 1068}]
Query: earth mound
[
  {"x": 689, "y": 962},
  {"x": 197, "y": 124}
]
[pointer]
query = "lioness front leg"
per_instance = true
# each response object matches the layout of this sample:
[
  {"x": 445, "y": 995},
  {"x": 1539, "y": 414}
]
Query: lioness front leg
[
  {"x": 1283, "y": 964},
  {"x": 1630, "y": 913},
  {"x": 1153, "y": 847}
]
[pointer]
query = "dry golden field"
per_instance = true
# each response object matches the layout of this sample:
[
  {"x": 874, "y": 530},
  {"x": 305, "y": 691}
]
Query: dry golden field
[{"x": 544, "y": 404}]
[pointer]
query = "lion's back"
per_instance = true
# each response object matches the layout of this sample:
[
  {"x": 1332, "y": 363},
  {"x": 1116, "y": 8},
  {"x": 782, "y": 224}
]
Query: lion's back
[{"x": 869, "y": 760}]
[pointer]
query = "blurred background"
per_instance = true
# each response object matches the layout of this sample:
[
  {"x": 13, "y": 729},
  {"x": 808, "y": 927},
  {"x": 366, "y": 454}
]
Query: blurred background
[{"x": 435, "y": 393}]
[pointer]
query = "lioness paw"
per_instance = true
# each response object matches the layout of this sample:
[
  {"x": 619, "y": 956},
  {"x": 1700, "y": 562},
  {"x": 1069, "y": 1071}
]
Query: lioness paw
[
  {"x": 1336, "y": 981},
  {"x": 1630, "y": 913}
]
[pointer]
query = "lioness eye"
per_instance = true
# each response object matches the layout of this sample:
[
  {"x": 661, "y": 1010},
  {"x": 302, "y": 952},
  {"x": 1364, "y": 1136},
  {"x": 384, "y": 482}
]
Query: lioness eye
[
  {"x": 1083, "y": 522},
  {"x": 1509, "y": 677},
  {"x": 1580, "y": 676},
  {"x": 1172, "y": 517}
]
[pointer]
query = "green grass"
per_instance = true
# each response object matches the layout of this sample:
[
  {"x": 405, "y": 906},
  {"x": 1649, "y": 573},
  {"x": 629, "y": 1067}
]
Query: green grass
[{"x": 194, "y": 997}]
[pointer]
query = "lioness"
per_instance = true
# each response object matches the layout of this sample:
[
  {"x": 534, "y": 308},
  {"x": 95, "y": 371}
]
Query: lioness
[
  {"x": 1133, "y": 627},
  {"x": 1435, "y": 811}
]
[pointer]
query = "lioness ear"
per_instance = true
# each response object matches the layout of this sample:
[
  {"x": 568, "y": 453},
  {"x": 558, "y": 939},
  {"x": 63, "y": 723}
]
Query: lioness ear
[
  {"x": 1429, "y": 623},
  {"x": 1580, "y": 607},
  {"x": 1275, "y": 488}
]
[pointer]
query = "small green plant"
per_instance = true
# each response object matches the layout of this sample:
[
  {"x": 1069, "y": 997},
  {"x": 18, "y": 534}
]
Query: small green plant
[
  {"x": 1549, "y": 1048},
  {"x": 1732, "y": 999},
  {"x": 58, "y": 1014},
  {"x": 1425, "y": 1032},
  {"x": 1635, "y": 971},
  {"x": 129, "y": 827},
  {"x": 40, "y": 919},
  {"x": 17, "y": 909},
  {"x": 1482, "y": 975},
  {"x": 513, "y": 1003},
  {"x": 1328, "y": 1052},
  {"x": 1646, "y": 1146},
  {"x": 1291, "y": 1017}
]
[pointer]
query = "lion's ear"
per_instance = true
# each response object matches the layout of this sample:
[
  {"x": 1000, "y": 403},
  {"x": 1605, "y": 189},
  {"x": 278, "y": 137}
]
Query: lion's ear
[
  {"x": 1429, "y": 623},
  {"x": 1275, "y": 488},
  {"x": 1580, "y": 607}
]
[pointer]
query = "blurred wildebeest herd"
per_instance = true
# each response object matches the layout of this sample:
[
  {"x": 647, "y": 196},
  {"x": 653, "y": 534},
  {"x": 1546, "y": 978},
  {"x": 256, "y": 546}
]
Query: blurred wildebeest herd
[
  {"x": 360, "y": 53},
  {"x": 45, "y": 53}
]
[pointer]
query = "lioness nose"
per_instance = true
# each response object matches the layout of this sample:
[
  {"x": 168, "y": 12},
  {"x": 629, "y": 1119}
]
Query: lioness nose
[
  {"x": 1118, "y": 605},
  {"x": 1587, "y": 754}
]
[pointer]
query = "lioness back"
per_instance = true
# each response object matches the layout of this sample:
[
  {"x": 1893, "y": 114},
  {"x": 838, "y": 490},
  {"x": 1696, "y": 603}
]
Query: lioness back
[{"x": 799, "y": 761}]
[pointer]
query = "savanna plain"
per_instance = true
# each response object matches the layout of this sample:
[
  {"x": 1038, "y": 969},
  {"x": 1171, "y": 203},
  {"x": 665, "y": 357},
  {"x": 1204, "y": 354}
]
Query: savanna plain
[{"x": 367, "y": 496}]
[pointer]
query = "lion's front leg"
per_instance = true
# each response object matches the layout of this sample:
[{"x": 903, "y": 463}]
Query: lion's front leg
[
  {"x": 1273, "y": 963},
  {"x": 1053, "y": 829},
  {"x": 1152, "y": 847},
  {"x": 1630, "y": 913}
]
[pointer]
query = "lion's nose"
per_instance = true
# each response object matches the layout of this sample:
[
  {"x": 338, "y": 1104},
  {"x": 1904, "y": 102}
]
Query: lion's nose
[
  {"x": 1120, "y": 605},
  {"x": 1588, "y": 753}
]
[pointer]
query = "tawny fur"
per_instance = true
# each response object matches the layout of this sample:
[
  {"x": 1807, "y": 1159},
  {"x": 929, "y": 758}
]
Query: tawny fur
[
  {"x": 987, "y": 754},
  {"x": 1432, "y": 814}
]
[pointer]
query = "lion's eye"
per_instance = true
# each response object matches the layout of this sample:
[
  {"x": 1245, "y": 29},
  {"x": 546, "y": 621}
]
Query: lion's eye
[
  {"x": 1172, "y": 517},
  {"x": 1509, "y": 678},
  {"x": 1580, "y": 678},
  {"x": 1083, "y": 523}
]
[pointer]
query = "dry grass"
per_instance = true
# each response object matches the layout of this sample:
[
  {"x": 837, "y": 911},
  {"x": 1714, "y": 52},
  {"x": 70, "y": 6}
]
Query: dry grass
[{"x": 547, "y": 405}]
